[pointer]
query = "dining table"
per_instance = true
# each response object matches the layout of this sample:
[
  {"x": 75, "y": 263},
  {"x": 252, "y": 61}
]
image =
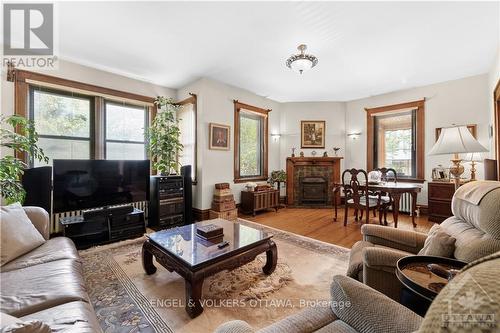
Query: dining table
[{"x": 395, "y": 190}]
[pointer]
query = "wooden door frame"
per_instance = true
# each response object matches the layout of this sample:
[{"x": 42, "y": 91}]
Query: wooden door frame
[{"x": 496, "y": 103}]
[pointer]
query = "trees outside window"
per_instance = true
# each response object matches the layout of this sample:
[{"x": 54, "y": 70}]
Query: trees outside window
[
  {"x": 64, "y": 124},
  {"x": 251, "y": 139}
]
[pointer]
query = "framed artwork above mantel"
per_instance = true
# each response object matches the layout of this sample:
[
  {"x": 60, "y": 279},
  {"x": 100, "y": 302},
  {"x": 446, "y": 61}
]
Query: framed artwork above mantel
[{"x": 312, "y": 134}]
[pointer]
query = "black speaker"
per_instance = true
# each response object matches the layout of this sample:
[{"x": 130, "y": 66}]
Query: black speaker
[
  {"x": 188, "y": 194},
  {"x": 37, "y": 182}
]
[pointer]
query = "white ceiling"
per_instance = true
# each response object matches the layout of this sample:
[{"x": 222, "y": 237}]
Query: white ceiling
[{"x": 364, "y": 48}]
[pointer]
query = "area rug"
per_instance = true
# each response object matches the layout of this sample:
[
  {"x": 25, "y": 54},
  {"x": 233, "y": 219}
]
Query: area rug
[{"x": 127, "y": 300}]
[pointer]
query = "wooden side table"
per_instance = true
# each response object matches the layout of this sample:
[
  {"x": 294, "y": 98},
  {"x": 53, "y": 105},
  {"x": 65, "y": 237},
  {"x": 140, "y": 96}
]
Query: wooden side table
[
  {"x": 421, "y": 284},
  {"x": 440, "y": 195},
  {"x": 254, "y": 201}
]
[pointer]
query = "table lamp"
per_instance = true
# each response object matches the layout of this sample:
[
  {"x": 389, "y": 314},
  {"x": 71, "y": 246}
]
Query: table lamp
[
  {"x": 473, "y": 159},
  {"x": 456, "y": 140}
]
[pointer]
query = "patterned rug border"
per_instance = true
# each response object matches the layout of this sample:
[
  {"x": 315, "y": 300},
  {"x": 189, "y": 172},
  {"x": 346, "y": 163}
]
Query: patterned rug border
[
  {"x": 147, "y": 309},
  {"x": 106, "y": 253}
]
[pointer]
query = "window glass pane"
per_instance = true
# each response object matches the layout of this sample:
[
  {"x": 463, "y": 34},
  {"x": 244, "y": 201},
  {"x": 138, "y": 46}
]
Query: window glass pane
[
  {"x": 395, "y": 142},
  {"x": 124, "y": 122},
  {"x": 63, "y": 149},
  {"x": 250, "y": 145},
  {"x": 124, "y": 151},
  {"x": 187, "y": 126},
  {"x": 61, "y": 115}
]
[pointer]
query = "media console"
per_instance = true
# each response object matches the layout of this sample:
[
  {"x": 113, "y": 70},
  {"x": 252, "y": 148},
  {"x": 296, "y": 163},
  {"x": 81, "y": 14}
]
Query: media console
[{"x": 104, "y": 225}]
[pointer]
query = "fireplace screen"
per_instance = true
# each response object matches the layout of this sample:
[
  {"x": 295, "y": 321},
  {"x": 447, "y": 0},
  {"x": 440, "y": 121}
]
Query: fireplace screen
[{"x": 313, "y": 190}]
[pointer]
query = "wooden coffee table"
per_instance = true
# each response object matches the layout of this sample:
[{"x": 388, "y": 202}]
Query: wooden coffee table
[{"x": 181, "y": 250}]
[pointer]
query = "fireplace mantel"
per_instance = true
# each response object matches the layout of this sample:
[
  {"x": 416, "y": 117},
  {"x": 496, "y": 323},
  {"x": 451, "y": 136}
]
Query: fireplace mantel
[{"x": 314, "y": 166}]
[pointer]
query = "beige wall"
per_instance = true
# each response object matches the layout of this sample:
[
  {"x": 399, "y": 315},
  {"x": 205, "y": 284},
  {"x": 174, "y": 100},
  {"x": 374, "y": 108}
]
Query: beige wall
[
  {"x": 333, "y": 113},
  {"x": 463, "y": 101},
  {"x": 215, "y": 105}
]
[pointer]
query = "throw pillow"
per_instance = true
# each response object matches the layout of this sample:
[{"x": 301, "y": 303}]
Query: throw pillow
[
  {"x": 17, "y": 234},
  {"x": 438, "y": 243}
]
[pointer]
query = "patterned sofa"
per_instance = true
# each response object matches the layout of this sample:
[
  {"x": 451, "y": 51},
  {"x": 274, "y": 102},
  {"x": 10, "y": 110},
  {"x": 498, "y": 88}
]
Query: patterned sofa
[
  {"x": 476, "y": 229},
  {"x": 370, "y": 311},
  {"x": 46, "y": 284}
]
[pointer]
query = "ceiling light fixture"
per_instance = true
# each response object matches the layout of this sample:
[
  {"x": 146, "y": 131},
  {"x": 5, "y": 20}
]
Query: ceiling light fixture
[{"x": 301, "y": 62}]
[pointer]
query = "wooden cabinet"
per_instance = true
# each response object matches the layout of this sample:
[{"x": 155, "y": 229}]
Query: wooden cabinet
[
  {"x": 440, "y": 195},
  {"x": 252, "y": 201}
]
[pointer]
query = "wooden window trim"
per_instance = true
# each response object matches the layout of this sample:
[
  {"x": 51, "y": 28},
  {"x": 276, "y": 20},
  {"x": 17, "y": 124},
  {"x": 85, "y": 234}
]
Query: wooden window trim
[
  {"x": 23, "y": 79},
  {"x": 85, "y": 88},
  {"x": 420, "y": 149},
  {"x": 92, "y": 114},
  {"x": 193, "y": 99},
  {"x": 238, "y": 106}
]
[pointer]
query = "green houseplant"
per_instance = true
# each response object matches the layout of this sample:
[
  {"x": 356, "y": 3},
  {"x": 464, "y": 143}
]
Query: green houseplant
[
  {"x": 277, "y": 177},
  {"x": 164, "y": 137},
  {"x": 11, "y": 167}
]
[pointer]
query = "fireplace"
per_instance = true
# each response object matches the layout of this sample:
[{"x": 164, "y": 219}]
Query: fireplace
[
  {"x": 313, "y": 191},
  {"x": 310, "y": 181}
]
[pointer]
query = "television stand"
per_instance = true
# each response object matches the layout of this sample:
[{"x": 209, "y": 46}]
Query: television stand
[{"x": 102, "y": 226}]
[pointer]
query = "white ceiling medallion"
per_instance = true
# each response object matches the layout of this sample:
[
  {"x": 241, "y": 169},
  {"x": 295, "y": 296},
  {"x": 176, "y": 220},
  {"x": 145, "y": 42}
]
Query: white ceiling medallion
[{"x": 301, "y": 62}]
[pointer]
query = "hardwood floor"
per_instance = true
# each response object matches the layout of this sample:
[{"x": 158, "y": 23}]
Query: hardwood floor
[{"x": 319, "y": 224}]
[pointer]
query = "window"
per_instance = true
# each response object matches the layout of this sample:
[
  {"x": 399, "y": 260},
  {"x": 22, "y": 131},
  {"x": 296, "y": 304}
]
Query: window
[
  {"x": 125, "y": 131},
  {"x": 394, "y": 142},
  {"x": 73, "y": 125},
  {"x": 187, "y": 125},
  {"x": 64, "y": 122},
  {"x": 251, "y": 133},
  {"x": 395, "y": 139}
]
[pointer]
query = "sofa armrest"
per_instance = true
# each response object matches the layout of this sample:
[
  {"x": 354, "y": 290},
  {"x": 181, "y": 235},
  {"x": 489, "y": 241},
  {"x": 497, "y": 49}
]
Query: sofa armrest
[
  {"x": 307, "y": 320},
  {"x": 367, "y": 310},
  {"x": 379, "y": 270},
  {"x": 40, "y": 219},
  {"x": 382, "y": 258},
  {"x": 404, "y": 240},
  {"x": 234, "y": 326}
]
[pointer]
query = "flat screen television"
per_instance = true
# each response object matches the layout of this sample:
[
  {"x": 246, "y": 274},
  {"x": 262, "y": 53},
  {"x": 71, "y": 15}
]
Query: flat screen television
[{"x": 84, "y": 184}]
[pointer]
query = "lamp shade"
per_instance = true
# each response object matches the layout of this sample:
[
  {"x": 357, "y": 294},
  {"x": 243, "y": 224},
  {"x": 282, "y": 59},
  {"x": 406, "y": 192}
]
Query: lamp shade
[
  {"x": 456, "y": 140},
  {"x": 473, "y": 157}
]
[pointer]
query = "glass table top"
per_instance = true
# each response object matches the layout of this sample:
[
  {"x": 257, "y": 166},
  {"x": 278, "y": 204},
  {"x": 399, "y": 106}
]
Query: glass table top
[{"x": 193, "y": 250}]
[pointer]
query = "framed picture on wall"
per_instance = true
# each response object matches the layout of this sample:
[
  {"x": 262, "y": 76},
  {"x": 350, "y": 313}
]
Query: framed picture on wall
[
  {"x": 312, "y": 134},
  {"x": 219, "y": 136},
  {"x": 472, "y": 129}
]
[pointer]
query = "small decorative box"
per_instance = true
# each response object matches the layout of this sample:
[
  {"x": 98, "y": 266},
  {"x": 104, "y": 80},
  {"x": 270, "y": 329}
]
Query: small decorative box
[{"x": 209, "y": 231}]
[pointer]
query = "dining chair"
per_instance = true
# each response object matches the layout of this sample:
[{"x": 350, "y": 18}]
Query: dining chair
[
  {"x": 357, "y": 195},
  {"x": 385, "y": 199}
]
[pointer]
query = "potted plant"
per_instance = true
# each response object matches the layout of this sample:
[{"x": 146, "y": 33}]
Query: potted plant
[
  {"x": 11, "y": 167},
  {"x": 164, "y": 137},
  {"x": 278, "y": 177}
]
